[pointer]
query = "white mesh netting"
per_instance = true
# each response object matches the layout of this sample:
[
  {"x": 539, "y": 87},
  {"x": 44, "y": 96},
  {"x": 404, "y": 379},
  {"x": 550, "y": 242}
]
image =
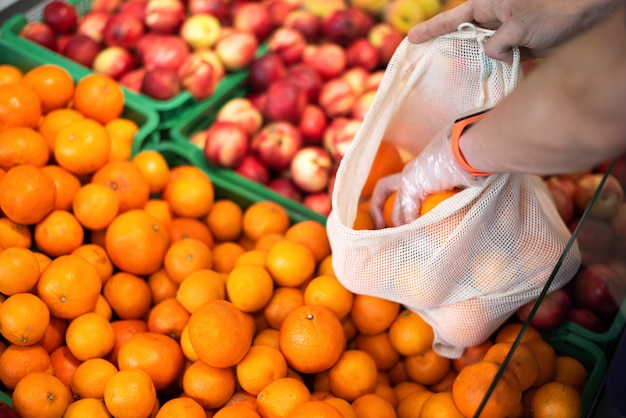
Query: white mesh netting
[{"x": 468, "y": 264}]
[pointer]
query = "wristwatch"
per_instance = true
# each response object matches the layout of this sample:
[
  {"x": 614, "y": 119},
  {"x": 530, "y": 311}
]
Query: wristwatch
[{"x": 458, "y": 128}]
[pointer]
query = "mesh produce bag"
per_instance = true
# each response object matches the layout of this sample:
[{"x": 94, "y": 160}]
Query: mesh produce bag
[{"x": 470, "y": 262}]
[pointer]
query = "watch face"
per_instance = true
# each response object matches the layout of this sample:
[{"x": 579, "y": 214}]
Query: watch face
[{"x": 462, "y": 118}]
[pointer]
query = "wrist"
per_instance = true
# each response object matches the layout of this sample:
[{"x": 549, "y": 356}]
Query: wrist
[{"x": 458, "y": 128}]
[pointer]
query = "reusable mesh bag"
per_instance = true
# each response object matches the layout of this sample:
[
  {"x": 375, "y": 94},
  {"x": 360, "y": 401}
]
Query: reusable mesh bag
[{"x": 470, "y": 262}]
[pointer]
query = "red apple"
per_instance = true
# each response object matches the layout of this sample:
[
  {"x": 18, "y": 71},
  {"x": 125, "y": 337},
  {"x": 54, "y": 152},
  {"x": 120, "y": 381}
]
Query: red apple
[
  {"x": 361, "y": 53},
  {"x": 167, "y": 51},
  {"x": 609, "y": 199},
  {"x": 319, "y": 202},
  {"x": 618, "y": 223},
  {"x": 201, "y": 30},
  {"x": 161, "y": 83},
  {"x": 217, "y": 8},
  {"x": 253, "y": 169},
  {"x": 328, "y": 59},
  {"x": 618, "y": 171},
  {"x": 385, "y": 39},
  {"x": 551, "y": 312},
  {"x": 275, "y": 144},
  {"x": 40, "y": 33},
  {"x": 563, "y": 200},
  {"x": 114, "y": 61},
  {"x": 123, "y": 29},
  {"x": 197, "y": 77},
  {"x": 311, "y": 168},
  {"x": 165, "y": 16},
  {"x": 307, "y": 79},
  {"x": 108, "y": 6},
  {"x": 61, "y": 16},
  {"x": 337, "y": 97},
  {"x": 357, "y": 78},
  {"x": 61, "y": 41},
  {"x": 595, "y": 238},
  {"x": 211, "y": 57},
  {"x": 285, "y": 187},
  {"x": 237, "y": 49},
  {"x": 598, "y": 288},
  {"x": 564, "y": 182},
  {"x": 305, "y": 22},
  {"x": 288, "y": 43},
  {"x": 339, "y": 135},
  {"x": 313, "y": 123},
  {"x": 587, "y": 319},
  {"x": 362, "y": 105},
  {"x": 285, "y": 102},
  {"x": 265, "y": 70},
  {"x": 82, "y": 49},
  {"x": 241, "y": 111},
  {"x": 146, "y": 42},
  {"x": 373, "y": 81},
  {"x": 226, "y": 144},
  {"x": 133, "y": 79},
  {"x": 199, "y": 138},
  {"x": 135, "y": 8},
  {"x": 92, "y": 24},
  {"x": 279, "y": 9},
  {"x": 253, "y": 17},
  {"x": 345, "y": 26}
]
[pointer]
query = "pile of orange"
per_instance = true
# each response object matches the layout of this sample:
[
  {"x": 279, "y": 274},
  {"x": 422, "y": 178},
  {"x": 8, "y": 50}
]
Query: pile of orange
[{"x": 130, "y": 289}]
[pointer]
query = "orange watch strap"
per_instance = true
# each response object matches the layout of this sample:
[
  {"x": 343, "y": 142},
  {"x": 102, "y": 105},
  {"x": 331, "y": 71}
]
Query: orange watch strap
[{"x": 457, "y": 130}]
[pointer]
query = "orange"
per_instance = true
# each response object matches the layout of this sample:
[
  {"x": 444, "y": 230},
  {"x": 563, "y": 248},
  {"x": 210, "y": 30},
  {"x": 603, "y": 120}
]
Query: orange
[
  {"x": 236, "y": 411},
  {"x": 434, "y": 199},
  {"x": 90, "y": 377},
  {"x": 66, "y": 183},
  {"x": 571, "y": 372},
  {"x": 522, "y": 362},
  {"x": 191, "y": 195},
  {"x": 24, "y": 319},
  {"x": 40, "y": 395},
  {"x": 128, "y": 294},
  {"x": 130, "y": 185},
  {"x": 200, "y": 287},
  {"x": 405, "y": 388},
  {"x": 59, "y": 233},
  {"x": 181, "y": 407},
  {"x": 290, "y": 263},
  {"x": 262, "y": 365},
  {"x": 210, "y": 386},
  {"x": 264, "y": 217},
  {"x": 159, "y": 355},
  {"x": 363, "y": 221},
  {"x": 269, "y": 336},
  {"x": 509, "y": 332},
  {"x": 225, "y": 220},
  {"x": 10, "y": 74},
  {"x": 88, "y": 407},
  {"x": 546, "y": 359},
  {"x": 445, "y": 384},
  {"x": 103, "y": 308},
  {"x": 53, "y": 84},
  {"x": 54, "y": 335},
  {"x": 258, "y": 257},
  {"x": 379, "y": 347},
  {"x": 82, "y": 147},
  {"x": 388, "y": 209},
  {"x": 43, "y": 260},
  {"x": 343, "y": 406},
  {"x": 555, "y": 399},
  {"x": 349, "y": 329},
  {"x": 182, "y": 227},
  {"x": 121, "y": 132},
  {"x": 89, "y": 336},
  {"x": 19, "y": 106},
  {"x": 225, "y": 255},
  {"x": 154, "y": 167},
  {"x": 97, "y": 256},
  {"x": 99, "y": 97},
  {"x": 312, "y": 234},
  {"x": 64, "y": 364},
  {"x": 22, "y": 145},
  {"x": 161, "y": 286},
  {"x": 440, "y": 405},
  {"x": 168, "y": 317},
  {"x": 427, "y": 368},
  {"x": 130, "y": 393},
  {"x": 354, "y": 374},
  {"x": 384, "y": 390},
  {"x": 95, "y": 206},
  {"x": 124, "y": 329},
  {"x": 265, "y": 243},
  {"x": 311, "y": 339},
  {"x": 17, "y": 361},
  {"x": 283, "y": 301},
  {"x": 219, "y": 333},
  {"x": 387, "y": 161},
  {"x": 120, "y": 149},
  {"x": 326, "y": 290},
  {"x": 160, "y": 209},
  {"x": 19, "y": 270},
  {"x": 70, "y": 286},
  {"x": 471, "y": 385},
  {"x": 370, "y": 405},
  {"x": 54, "y": 121},
  {"x": 136, "y": 242},
  {"x": 314, "y": 409},
  {"x": 185, "y": 256},
  {"x": 280, "y": 397},
  {"x": 249, "y": 287},
  {"x": 372, "y": 315},
  {"x": 185, "y": 345},
  {"x": 13, "y": 234},
  {"x": 409, "y": 334},
  {"x": 27, "y": 194},
  {"x": 471, "y": 355}
]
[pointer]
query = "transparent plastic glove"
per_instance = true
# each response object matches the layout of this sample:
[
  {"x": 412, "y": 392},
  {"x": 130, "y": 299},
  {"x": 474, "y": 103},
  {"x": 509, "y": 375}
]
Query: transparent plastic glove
[{"x": 434, "y": 170}]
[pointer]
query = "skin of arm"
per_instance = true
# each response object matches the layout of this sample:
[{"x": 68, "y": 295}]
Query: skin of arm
[{"x": 569, "y": 114}]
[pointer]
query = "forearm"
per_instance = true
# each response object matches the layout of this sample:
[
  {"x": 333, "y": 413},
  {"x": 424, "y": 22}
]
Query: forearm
[{"x": 568, "y": 115}]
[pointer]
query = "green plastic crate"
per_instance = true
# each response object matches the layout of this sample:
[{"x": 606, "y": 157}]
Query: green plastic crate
[
  {"x": 146, "y": 119},
  {"x": 169, "y": 111}
]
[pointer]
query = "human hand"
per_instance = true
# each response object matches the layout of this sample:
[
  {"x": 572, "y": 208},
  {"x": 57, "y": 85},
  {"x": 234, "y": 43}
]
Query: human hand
[
  {"x": 535, "y": 26},
  {"x": 434, "y": 170}
]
